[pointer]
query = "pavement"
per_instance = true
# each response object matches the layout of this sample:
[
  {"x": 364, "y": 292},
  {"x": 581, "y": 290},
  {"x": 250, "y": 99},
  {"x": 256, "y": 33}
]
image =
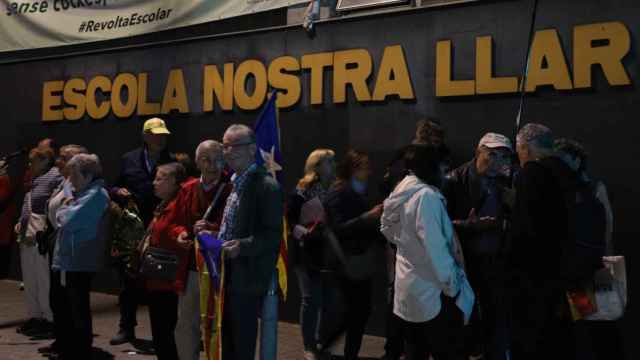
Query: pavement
[{"x": 14, "y": 346}]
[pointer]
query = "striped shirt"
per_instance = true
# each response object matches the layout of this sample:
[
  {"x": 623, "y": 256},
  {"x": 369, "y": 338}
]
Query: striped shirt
[
  {"x": 233, "y": 203},
  {"x": 43, "y": 187}
]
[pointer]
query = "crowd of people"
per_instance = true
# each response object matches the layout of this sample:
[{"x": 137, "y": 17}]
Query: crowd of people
[{"x": 480, "y": 259}]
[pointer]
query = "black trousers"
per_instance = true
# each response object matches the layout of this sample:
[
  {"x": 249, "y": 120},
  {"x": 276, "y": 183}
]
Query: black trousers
[
  {"x": 129, "y": 298},
  {"x": 442, "y": 336},
  {"x": 74, "y": 328},
  {"x": 541, "y": 326},
  {"x": 163, "y": 314},
  {"x": 5, "y": 257},
  {"x": 598, "y": 340},
  {"x": 356, "y": 299},
  {"x": 394, "y": 337},
  {"x": 56, "y": 301},
  {"x": 240, "y": 326},
  {"x": 487, "y": 332}
]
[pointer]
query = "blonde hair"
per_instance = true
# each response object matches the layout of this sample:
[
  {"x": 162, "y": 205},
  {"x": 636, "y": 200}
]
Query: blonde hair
[{"x": 311, "y": 166}]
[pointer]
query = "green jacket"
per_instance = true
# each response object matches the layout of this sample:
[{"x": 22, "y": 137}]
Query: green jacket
[{"x": 259, "y": 215}]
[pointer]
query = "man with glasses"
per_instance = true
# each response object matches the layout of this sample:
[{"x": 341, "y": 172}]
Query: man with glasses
[
  {"x": 475, "y": 203},
  {"x": 251, "y": 230}
]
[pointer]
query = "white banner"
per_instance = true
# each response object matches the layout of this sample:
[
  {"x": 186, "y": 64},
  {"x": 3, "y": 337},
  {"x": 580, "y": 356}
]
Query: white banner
[{"x": 36, "y": 24}]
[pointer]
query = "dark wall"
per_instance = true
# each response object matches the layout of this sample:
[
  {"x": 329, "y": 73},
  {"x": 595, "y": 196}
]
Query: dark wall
[{"x": 602, "y": 118}]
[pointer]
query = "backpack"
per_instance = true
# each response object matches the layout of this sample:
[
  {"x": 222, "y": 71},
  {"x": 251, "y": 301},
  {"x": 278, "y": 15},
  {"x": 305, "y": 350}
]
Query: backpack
[
  {"x": 126, "y": 232},
  {"x": 586, "y": 219}
]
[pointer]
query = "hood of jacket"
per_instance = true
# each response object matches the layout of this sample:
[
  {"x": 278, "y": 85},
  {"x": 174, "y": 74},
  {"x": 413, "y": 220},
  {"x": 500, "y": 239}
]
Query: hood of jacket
[{"x": 406, "y": 192}]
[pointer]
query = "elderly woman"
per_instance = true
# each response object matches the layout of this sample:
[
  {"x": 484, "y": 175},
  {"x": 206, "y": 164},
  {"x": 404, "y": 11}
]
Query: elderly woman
[
  {"x": 162, "y": 233},
  {"x": 59, "y": 196},
  {"x": 594, "y": 339},
  {"x": 35, "y": 264},
  {"x": 196, "y": 197},
  {"x": 79, "y": 251},
  {"x": 306, "y": 254}
]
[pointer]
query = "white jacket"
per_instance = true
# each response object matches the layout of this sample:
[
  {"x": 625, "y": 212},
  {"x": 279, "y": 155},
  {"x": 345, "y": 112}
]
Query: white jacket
[{"x": 415, "y": 219}]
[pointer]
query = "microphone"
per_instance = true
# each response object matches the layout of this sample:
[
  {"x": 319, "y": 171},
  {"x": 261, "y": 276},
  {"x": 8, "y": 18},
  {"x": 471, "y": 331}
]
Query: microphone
[{"x": 14, "y": 155}]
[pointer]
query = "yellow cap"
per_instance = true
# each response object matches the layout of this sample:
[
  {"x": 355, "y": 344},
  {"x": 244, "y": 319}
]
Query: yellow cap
[{"x": 155, "y": 126}]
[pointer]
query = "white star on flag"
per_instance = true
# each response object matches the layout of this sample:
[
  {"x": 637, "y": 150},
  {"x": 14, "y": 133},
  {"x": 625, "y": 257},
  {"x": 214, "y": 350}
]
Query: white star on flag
[{"x": 270, "y": 162}]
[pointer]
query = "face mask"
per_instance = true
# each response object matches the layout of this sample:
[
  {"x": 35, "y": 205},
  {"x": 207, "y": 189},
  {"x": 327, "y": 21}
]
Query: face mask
[
  {"x": 67, "y": 189},
  {"x": 358, "y": 186}
]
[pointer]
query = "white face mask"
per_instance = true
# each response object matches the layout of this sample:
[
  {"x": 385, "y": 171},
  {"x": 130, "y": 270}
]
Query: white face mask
[{"x": 67, "y": 189}]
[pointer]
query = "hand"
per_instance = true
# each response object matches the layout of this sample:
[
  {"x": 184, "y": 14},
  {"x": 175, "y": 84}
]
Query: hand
[
  {"x": 183, "y": 240},
  {"x": 299, "y": 232},
  {"x": 375, "y": 213},
  {"x": 231, "y": 248},
  {"x": 123, "y": 193},
  {"x": 17, "y": 228},
  {"x": 200, "y": 226},
  {"x": 483, "y": 223}
]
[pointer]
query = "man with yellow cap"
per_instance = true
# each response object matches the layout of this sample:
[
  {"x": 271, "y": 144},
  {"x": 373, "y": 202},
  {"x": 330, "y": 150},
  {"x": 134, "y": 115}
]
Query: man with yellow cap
[{"x": 137, "y": 171}]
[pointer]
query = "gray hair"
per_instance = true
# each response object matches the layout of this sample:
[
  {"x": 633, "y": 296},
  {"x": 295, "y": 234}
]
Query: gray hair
[
  {"x": 87, "y": 164},
  {"x": 73, "y": 150},
  {"x": 248, "y": 133},
  {"x": 536, "y": 135},
  {"x": 209, "y": 146},
  {"x": 176, "y": 171}
]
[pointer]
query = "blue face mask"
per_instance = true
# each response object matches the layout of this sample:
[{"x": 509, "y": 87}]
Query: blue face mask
[{"x": 358, "y": 186}]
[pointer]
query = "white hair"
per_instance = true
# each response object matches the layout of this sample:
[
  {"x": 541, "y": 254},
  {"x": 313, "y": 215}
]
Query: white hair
[
  {"x": 86, "y": 164},
  {"x": 210, "y": 146}
]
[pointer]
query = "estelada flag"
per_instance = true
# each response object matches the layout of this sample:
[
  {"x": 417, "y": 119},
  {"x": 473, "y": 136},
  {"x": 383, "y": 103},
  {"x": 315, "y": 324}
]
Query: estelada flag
[{"x": 267, "y": 130}]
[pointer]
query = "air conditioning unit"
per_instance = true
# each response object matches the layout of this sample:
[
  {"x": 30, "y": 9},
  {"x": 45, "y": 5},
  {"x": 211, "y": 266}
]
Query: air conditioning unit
[{"x": 346, "y": 5}]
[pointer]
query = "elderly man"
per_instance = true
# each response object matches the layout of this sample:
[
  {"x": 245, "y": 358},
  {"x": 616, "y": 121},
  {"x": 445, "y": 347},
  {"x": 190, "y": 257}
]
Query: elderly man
[
  {"x": 137, "y": 171},
  {"x": 251, "y": 230},
  {"x": 474, "y": 202},
  {"x": 542, "y": 326},
  {"x": 194, "y": 200}
]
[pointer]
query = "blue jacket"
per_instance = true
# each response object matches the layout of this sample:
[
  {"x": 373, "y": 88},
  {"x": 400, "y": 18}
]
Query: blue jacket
[{"x": 82, "y": 231}]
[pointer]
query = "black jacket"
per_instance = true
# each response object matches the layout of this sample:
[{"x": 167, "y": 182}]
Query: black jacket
[
  {"x": 135, "y": 177},
  {"x": 540, "y": 225},
  {"x": 259, "y": 216},
  {"x": 464, "y": 191},
  {"x": 344, "y": 209}
]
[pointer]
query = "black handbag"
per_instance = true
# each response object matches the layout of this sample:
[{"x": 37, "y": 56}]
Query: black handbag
[
  {"x": 355, "y": 267},
  {"x": 159, "y": 264}
]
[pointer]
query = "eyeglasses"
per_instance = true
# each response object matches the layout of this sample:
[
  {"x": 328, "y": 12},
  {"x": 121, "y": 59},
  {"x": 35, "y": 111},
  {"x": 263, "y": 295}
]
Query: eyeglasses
[{"x": 229, "y": 147}]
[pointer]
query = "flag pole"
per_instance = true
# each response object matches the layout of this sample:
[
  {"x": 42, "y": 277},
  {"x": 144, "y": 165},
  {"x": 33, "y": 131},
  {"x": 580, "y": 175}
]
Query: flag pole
[{"x": 525, "y": 70}]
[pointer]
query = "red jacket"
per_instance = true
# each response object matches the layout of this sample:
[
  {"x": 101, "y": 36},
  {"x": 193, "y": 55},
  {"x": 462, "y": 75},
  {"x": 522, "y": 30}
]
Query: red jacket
[
  {"x": 163, "y": 233},
  {"x": 8, "y": 210},
  {"x": 193, "y": 202},
  {"x": 180, "y": 215}
]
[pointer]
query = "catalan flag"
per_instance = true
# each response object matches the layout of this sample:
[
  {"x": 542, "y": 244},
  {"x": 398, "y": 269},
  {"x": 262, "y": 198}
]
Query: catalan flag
[
  {"x": 210, "y": 262},
  {"x": 267, "y": 130}
]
